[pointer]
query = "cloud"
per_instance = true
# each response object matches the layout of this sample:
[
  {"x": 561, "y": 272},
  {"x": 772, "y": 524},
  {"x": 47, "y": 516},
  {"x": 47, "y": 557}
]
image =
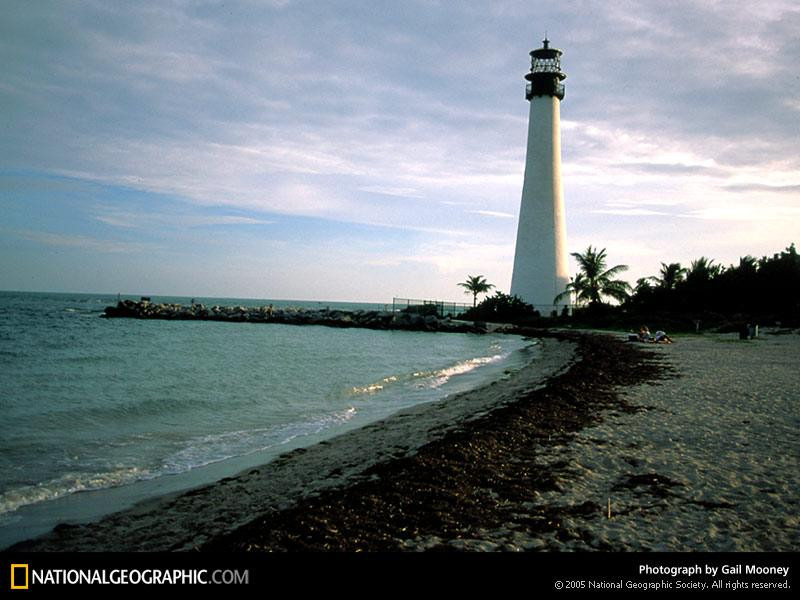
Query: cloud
[
  {"x": 763, "y": 187},
  {"x": 665, "y": 168},
  {"x": 82, "y": 242},
  {"x": 403, "y": 192},
  {"x": 629, "y": 212},
  {"x": 454, "y": 258},
  {"x": 493, "y": 213},
  {"x": 132, "y": 220},
  {"x": 748, "y": 212},
  {"x": 254, "y": 113}
]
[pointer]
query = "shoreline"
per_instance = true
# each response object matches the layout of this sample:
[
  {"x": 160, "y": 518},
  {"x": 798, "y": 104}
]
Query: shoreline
[
  {"x": 476, "y": 488},
  {"x": 666, "y": 438},
  {"x": 686, "y": 447},
  {"x": 186, "y": 519}
]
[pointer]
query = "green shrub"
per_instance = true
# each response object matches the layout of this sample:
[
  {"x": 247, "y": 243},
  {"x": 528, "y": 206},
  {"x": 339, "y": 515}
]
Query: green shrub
[{"x": 501, "y": 308}]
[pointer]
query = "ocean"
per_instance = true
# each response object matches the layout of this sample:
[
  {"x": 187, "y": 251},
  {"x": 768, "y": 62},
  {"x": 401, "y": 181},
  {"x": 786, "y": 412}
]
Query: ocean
[{"x": 98, "y": 414}]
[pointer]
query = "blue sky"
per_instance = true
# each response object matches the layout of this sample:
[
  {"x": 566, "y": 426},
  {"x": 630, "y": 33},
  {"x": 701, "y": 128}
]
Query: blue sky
[{"x": 363, "y": 150}]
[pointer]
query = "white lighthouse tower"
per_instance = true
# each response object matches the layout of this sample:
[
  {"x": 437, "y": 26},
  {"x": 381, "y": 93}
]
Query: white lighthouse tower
[{"x": 540, "y": 262}]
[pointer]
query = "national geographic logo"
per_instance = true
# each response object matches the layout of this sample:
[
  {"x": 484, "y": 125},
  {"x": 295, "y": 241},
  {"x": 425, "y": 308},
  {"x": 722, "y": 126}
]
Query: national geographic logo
[
  {"x": 22, "y": 576},
  {"x": 19, "y": 577}
]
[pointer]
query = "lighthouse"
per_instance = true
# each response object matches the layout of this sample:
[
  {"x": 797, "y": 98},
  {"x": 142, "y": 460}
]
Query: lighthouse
[{"x": 540, "y": 261}]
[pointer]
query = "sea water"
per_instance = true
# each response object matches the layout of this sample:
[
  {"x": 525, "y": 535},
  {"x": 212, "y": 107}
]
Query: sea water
[{"x": 91, "y": 405}]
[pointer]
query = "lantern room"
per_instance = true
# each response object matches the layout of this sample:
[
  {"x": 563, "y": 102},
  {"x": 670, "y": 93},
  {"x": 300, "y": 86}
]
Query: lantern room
[{"x": 545, "y": 76}]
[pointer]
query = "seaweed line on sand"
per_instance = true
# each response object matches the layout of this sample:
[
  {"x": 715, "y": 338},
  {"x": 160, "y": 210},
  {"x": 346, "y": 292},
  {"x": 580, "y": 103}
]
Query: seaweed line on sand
[{"x": 476, "y": 488}]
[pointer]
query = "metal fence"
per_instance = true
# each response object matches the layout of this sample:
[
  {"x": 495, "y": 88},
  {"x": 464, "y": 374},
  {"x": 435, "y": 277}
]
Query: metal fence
[{"x": 443, "y": 308}]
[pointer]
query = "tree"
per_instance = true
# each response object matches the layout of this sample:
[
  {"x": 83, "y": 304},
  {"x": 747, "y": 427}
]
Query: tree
[
  {"x": 737, "y": 289},
  {"x": 476, "y": 285},
  {"x": 578, "y": 286},
  {"x": 595, "y": 280},
  {"x": 702, "y": 270},
  {"x": 643, "y": 285},
  {"x": 701, "y": 290},
  {"x": 670, "y": 276},
  {"x": 748, "y": 264},
  {"x": 755, "y": 290}
]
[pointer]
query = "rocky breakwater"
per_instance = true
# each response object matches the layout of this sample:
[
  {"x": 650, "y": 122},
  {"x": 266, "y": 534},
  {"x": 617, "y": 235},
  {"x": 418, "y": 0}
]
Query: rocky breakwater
[{"x": 368, "y": 319}]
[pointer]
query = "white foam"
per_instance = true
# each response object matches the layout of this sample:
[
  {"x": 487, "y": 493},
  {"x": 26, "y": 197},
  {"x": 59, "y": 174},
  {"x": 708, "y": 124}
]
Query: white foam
[
  {"x": 69, "y": 483},
  {"x": 374, "y": 387},
  {"x": 430, "y": 379},
  {"x": 436, "y": 379},
  {"x": 210, "y": 449},
  {"x": 195, "y": 453}
]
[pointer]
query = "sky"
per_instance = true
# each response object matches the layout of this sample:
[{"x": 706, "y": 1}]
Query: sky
[{"x": 359, "y": 151}]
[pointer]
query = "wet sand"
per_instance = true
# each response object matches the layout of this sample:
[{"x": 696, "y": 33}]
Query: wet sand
[{"x": 694, "y": 446}]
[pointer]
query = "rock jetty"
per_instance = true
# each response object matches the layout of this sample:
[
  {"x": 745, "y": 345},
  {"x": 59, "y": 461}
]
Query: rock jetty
[{"x": 369, "y": 319}]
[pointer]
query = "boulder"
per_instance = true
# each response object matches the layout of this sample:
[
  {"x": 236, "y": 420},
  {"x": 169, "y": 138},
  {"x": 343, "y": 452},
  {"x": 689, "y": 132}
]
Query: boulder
[{"x": 431, "y": 322}]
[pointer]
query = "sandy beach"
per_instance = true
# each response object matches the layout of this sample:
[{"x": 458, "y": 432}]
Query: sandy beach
[
  {"x": 693, "y": 446},
  {"x": 709, "y": 462}
]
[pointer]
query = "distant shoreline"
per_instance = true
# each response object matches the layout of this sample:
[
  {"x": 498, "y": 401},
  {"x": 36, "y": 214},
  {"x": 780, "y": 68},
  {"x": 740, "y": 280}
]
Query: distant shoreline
[{"x": 404, "y": 320}]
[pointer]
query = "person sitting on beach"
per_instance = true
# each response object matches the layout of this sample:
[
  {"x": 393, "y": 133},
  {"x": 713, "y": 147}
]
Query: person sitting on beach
[{"x": 662, "y": 338}]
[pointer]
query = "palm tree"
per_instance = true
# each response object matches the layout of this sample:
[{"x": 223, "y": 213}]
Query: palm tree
[
  {"x": 595, "y": 281},
  {"x": 476, "y": 285},
  {"x": 671, "y": 275},
  {"x": 703, "y": 269},
  {"x": 577, "y": 285},
  {"x": 643, "y": 285},
  {"x": 748, "y": 264},
  {"x": 699, "y": 289}
]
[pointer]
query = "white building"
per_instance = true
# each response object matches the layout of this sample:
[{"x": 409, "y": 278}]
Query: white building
[{"x": 540, "y": 261}]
